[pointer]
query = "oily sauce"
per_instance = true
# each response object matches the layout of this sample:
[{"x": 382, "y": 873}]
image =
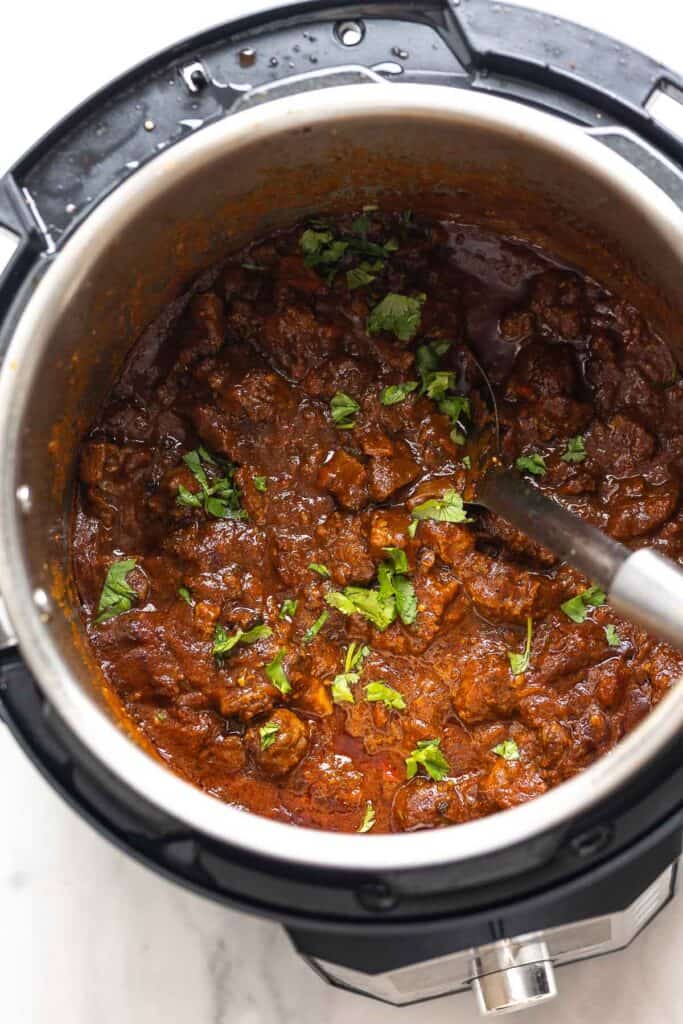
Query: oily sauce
[{"x": 238, "y": 493}]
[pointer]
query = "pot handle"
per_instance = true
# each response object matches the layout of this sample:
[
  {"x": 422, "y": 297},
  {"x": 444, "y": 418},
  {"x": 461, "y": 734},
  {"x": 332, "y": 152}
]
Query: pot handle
[{"x": 20, "y": 244}]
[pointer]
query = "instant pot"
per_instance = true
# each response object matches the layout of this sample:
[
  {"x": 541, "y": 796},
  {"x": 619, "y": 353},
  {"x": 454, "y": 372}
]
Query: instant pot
[{"x": 533, "y": 124}]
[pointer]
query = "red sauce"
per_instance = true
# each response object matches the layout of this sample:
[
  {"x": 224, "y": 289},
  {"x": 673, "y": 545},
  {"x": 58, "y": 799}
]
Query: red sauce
[{"x": 246, "y": 365}]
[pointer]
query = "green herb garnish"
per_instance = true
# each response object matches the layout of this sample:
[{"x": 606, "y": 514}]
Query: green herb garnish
[
  {"x": 321, "y": 569},
  {"x": 321, "y": 247},
  {"x": 379, "y": 610},
  {"x": 399, "y": 314},
  {"x": 289, "y": 607},
  {"x": 368, "y": 818},
  {"x": 260, "y": 483},
  {"x": 276, "y": 673},
  {"x": 313, "y": 630},
  {"x": 428, "y": 753},
  {"x": 395, "y": 393},
  {"x": 577, "y": 607},
  {"x": 344, "y": 410},
  {"x": 394, "y": 595},
  {"x": 611, "y": 635},
  {"x": 117, "y": 594},
  {"x": 268, "y": 732},
  {"x": 218, "y": 496},
  {"x": 534, "y": 464},
  {"x": 397, "y": 559},
  {"x": 447, "y": 509},
  {"x": 467, "y": 462},
  {"x": 520, "y": 662},
  {"x": 379, "y": 691},
  {"x": 186, "y": 595},
  {"x": 341, "y": 688},
  {"x": 508, "y": 750},
  {"x": 365, "y": 273},
  {"x": 576, "y": 449},
  {"x": 412, "y": 527},
  {"x": 224, "y": 642}
]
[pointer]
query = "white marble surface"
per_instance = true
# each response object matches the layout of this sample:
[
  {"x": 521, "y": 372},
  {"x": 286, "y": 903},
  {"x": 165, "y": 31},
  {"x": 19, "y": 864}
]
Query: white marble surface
[{"x": 86, "y": 935}]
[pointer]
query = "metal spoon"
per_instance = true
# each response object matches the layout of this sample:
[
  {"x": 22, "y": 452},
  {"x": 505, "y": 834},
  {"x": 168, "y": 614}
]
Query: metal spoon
[{"x": 643, "y": 586}]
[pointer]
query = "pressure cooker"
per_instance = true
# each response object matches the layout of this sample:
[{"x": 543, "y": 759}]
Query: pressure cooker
[{"x": 253, "y": 125}]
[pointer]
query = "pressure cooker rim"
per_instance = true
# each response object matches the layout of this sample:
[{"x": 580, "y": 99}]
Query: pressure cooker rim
[{"x": 105, "y": 740}]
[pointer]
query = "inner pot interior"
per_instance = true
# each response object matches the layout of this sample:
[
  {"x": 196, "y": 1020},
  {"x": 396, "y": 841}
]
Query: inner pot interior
[{"x": 431, "y": 149}]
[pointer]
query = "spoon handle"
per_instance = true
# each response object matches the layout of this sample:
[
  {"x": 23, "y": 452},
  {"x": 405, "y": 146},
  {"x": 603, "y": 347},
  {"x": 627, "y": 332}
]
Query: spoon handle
[{"x": 643, "y": 586}]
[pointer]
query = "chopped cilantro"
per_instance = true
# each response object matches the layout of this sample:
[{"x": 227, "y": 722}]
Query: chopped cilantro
[
  {"x": 344, "y": 409},
  {"x": 406, "y": 601},
  {"x": 275, "y": 671},
  {"x": 447, "y": 509},
  {"x": 341, "y": 688},
  {"x": 321, "y": 569},
  {"x": 268, "y": 732},
  {"x": 428, "y": 753},
  {"x": 576, "y": 449},
  {"x": 313, "y": 630},
  {"x": 399, "y": 314},
  {"x": 378, "y": 609},
  {"x": 223, "y": 642},
  {"x": 508, "y": 750},
  {"x": 438, "y": 383},
  {"x": 321, "y": 247},
  {"x": 160, "y": 715},
  {"x": 289, "y": 607},
  {"x": 368, "y": 818},
  {"x": 364, "y": 273},
  {"x": 398, "y": 559},
  {"x": 219, "y": 497},
  {"x": 355, "y": 656},
  {"x": 379, "y": 691},
  {"x": 260, "y": 483},
  {"x": 467, "y": 462},
  {"x": 117, "y": 594},
  {"x": 534, "y": 464},
  {"x": 412, "y": 527},
  {"x": 611, "y": 635},
  {"x": 395, "y": 393},
  {"x": 186, "y": 595},
  {"x": 577, "y": 607},
  {"x": 520, "y": 662}
]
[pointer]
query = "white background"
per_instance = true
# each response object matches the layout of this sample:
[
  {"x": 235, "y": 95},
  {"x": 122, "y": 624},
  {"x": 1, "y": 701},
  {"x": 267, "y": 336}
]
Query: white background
[{"x": 86, "y": 935}]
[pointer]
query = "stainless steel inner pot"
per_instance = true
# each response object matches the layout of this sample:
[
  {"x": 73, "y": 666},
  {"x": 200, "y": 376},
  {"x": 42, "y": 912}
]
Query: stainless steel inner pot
[{"x": 475, "y": 156}]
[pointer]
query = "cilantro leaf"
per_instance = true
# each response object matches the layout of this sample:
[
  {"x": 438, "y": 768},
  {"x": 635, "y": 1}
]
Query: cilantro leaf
[
  {"x": 377, "y": 608},
  {"x": 268, "y": 732},
  {"x": 508, "y": 750},
  {"x": 289, "y": 607},
  {"x": 395, "y": 393},
  {"x": 398, "y": 559},
  {"x": 321, "y": 569},
  {"x": 313, "y": 630},
  {"x": 117, "y": 594},
  {"x": 355, "y": 656},
  {"x": 341, "y": 688},
  {"x": 275, "y": 671},
  {"x": 428, "y": 753},
  {"x": 447, "y": 509},
  {"x": 576, "y": 608},
  {"x": 399, "y": 314},
  {"x": 365, "y": 273},
  {"x": 379, "y": 691},
  {"x": 321, "y": 247},
  {"x": 219, "y": 497},
  {"x": 344, "y": 409},
  {"x": 576, "y": 449},
  {"x": 467, "y": 462},
  {"x": 534, "y": 464},
  {"x": 260, "y": 483},
  {"x": 437, "y": 383},
  {"x": 406, "y": 601},
  {"x": 611, "y": 635},
  {"x": 186, "y": 595},
  {"x": 412, "y": 527},
  {"x": 223, "y": 642},
  {"x": 519, "y": 663},
  {"x": 368, "y": 818}
]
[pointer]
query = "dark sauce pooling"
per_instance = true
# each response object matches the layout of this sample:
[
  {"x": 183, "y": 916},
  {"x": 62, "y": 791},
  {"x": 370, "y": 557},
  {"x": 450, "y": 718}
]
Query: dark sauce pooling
[{"x": 277, "y": 573}]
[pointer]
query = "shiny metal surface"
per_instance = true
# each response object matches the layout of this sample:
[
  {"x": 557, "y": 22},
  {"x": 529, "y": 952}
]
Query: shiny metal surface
[
  {"x": 525, "y": 978},
  {"x": 257, "y": 169},
  {"x": 647, "y": 589},
  {"x": 481, "y": 969}
]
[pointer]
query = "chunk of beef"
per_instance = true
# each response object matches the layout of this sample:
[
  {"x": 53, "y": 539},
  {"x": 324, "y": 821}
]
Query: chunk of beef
[
  {"x": 346, "y": 478},
  {"x": 288, "y": 747}
]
